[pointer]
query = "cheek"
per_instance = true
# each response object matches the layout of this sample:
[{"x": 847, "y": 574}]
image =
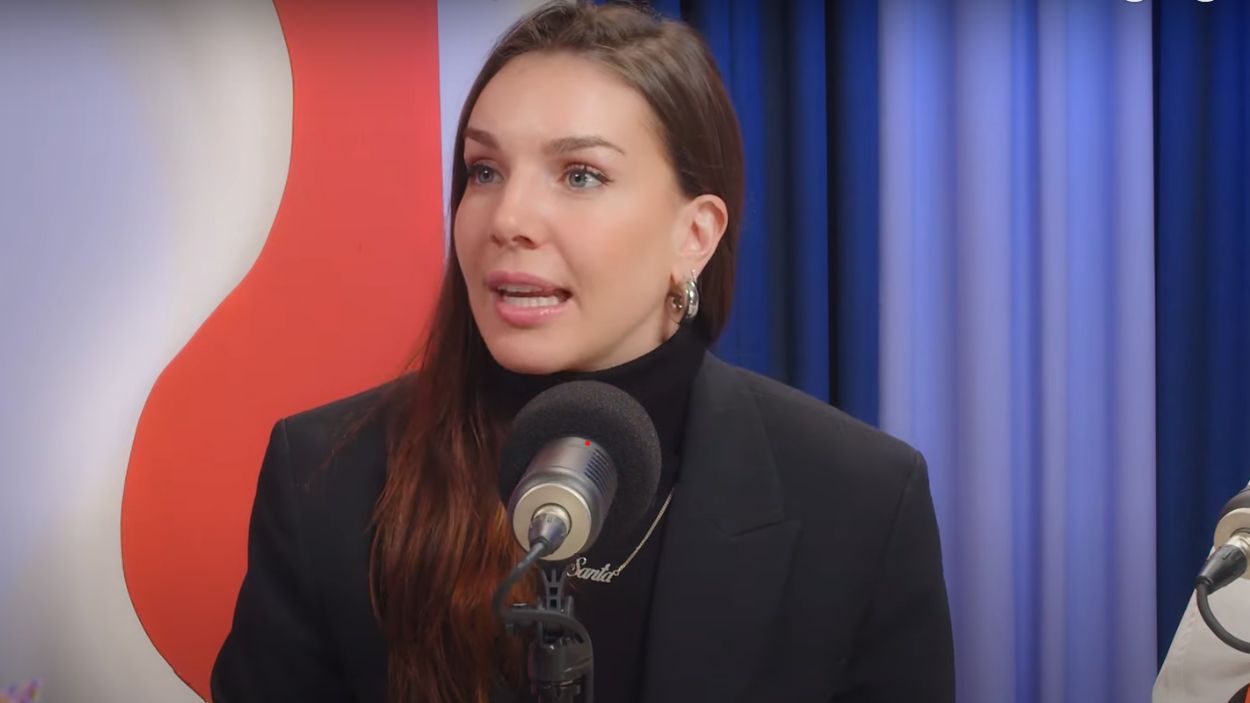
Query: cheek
[
  {"x": 624, "y": 262},
  {"x": 466, "y": 236}
]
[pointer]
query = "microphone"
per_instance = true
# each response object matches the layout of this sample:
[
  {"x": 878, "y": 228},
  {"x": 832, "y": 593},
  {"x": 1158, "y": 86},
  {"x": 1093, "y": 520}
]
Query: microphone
[
  {"x": 578, "y": 453},
  {"x": 1232, "y": 535},
  {"x": 1226, "y": 563}
]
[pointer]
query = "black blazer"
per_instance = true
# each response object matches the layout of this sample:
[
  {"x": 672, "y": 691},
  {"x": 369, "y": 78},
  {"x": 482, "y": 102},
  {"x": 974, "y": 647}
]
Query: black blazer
[{"x": 801, "y": 561}]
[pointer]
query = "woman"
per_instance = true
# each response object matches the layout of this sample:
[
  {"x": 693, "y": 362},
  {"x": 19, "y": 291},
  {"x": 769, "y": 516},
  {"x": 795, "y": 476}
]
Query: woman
[{"x": 791, "y": 553}]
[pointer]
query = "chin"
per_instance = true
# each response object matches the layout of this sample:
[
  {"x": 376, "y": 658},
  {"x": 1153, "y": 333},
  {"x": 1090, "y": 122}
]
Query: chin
[{"x": 528, "y": 353}]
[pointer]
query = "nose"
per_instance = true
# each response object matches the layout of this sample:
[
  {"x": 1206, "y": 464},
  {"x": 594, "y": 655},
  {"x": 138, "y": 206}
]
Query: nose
[{"x": 518, "y": 221}]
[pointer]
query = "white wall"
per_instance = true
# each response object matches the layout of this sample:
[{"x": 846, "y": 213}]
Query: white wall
[{"x": 145, "y": 147}]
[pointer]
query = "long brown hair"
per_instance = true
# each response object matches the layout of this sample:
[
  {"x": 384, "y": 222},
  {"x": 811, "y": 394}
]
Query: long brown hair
[{"x": 442, "y": 544}]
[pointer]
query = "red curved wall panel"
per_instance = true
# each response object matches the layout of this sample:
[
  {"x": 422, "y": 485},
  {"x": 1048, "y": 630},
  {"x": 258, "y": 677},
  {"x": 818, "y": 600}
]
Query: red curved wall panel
[{"x": 334, "y": 303}]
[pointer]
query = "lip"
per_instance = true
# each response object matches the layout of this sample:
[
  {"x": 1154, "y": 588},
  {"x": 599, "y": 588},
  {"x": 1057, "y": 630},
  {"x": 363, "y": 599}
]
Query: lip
[
  {"x": 495, "y": 279},
  {"x": 519, "y": 316}
]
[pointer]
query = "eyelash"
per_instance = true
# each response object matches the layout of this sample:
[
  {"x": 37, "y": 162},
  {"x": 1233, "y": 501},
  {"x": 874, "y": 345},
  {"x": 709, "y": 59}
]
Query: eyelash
[{"x": 479, "y": 168}]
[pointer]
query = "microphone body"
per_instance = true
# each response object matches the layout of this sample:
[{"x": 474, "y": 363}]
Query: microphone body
[{"x": 564, "y": 497}]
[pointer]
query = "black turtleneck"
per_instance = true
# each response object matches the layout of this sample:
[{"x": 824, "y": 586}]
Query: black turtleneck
[{"x": 615, "y": 612}]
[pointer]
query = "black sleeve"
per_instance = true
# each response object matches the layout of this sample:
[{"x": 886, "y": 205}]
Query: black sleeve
[
  {"x": 276, "y": 649},
  {"x": 905, "y": 650}
]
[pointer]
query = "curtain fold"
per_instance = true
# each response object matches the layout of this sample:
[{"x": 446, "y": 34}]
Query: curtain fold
[
  {"x": 1017, "y": 329},
  {"x": 854, "y": 197}
]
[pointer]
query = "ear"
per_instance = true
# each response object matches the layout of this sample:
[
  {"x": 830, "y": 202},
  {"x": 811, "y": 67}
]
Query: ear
[{"x": 700, "y": 229}]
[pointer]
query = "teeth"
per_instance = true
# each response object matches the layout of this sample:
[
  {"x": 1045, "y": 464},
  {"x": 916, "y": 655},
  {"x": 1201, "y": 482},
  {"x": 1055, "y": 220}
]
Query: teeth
[
  {"x": 531, "y": 301},
  {"x": 518, "y": 288}
]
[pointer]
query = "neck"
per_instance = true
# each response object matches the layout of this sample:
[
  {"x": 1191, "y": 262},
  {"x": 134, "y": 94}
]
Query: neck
[{"x": 659, "y": 380}]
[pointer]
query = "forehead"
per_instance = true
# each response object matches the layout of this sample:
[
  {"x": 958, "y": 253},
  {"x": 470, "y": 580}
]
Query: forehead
[{"x": 542, "y": 96}]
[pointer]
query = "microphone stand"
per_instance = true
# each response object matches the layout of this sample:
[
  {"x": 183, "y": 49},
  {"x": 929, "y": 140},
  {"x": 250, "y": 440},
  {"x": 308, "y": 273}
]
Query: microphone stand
[{"x": 560, "y": 652}]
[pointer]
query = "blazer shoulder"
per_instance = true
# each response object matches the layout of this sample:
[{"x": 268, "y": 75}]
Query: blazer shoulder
[
  {"x": 350, "y": 429},
  {"x": 335, "y": 413},
  {"x": 782, "y": 402},
  {"x": 814, "y": 438}
]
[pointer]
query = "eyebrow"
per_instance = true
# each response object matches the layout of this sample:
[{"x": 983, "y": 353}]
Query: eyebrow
[
  {"x": 578, "y": 142},
  {"x": 562, "y": 145}
]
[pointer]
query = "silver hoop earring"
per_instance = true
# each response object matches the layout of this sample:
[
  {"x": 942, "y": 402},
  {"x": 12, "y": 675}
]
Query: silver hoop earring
[{"x": 686, "y": 298}]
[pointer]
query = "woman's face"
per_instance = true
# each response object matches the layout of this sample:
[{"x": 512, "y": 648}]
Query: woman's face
[{"x": 572, "y": 229}]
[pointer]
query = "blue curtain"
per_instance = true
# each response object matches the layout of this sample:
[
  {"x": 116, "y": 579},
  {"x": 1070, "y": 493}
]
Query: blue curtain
[
  {"x": 1017, "y": 329},
  {"x": 988, "y": 282},
  {"x": 1203, "y": 93}
]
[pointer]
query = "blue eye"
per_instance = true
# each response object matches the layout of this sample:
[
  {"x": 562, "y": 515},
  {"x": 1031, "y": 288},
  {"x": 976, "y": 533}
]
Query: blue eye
[
  {"x": 583, "y": 177},
  {"x": 481, "y": 174}
]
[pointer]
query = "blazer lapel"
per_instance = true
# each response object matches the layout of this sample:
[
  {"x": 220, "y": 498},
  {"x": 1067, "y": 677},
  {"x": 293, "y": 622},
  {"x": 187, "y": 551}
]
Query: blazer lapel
[{"x": 726, "y": 550}]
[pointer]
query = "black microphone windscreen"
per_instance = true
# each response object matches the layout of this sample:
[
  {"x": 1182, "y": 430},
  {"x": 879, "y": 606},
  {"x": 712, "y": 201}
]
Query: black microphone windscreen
[{"x": 604, "y": 414}]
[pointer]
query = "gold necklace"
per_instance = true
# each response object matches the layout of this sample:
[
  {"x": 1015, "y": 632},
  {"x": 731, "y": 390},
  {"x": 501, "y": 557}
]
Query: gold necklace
[{"x": 606, "y": 573}]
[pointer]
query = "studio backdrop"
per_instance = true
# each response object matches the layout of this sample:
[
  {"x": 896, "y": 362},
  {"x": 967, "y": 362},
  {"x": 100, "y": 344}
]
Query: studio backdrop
[{"x": 1005, "y": 230}]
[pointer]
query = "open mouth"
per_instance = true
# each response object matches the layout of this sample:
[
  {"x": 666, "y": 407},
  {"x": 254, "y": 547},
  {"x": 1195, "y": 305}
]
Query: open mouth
[{"x": 527, "y": 296}]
